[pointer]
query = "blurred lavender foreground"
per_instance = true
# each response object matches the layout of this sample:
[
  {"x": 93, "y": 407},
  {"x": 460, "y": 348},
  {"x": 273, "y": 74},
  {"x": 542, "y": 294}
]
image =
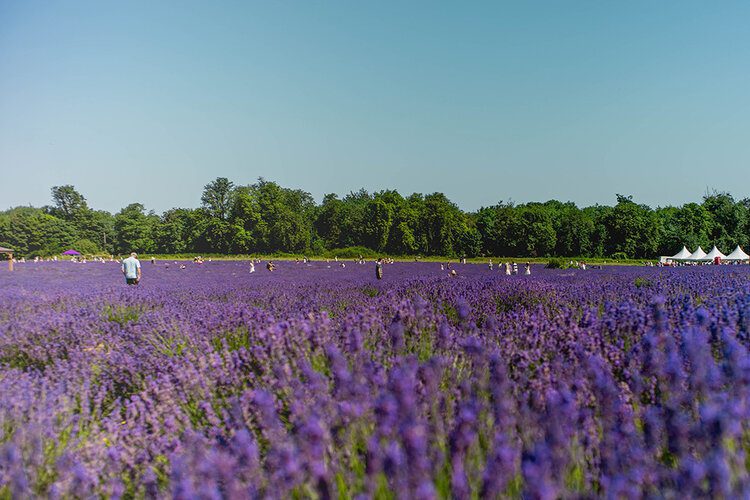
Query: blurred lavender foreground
[{"x": 320, "y": 382}]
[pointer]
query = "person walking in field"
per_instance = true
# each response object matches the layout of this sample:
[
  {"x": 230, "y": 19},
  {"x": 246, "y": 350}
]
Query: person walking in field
[
  {"x": 252, "y": 266},
  {"x": 379, "y": 268},
  {"x": 527, "y": 271},
  {"x": 131, "y": 268}
]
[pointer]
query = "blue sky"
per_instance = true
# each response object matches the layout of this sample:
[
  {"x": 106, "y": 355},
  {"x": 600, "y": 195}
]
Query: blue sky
[{"x": 485, "y": 101}]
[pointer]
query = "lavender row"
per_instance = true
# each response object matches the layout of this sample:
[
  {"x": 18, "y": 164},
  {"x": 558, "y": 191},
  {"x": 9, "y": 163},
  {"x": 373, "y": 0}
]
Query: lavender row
[{"x": 320, "y": 381}]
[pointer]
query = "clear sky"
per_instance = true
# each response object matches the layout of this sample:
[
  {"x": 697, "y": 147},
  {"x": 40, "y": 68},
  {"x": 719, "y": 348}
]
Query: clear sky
[{"x": 575, "y": 100}]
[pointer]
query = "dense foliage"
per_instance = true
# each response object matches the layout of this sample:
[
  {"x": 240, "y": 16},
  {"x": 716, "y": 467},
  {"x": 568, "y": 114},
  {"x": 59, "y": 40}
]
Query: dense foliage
[
  {"x": 267, "y": 218},
  {"x": 320, "y": 381}
]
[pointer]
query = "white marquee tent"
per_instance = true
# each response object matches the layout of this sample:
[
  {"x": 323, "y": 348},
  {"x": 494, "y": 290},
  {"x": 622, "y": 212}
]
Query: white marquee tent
[
  {"x": 699, "y": 254},
  {"x": 683, "y": 254},
  {"x": 714, "y": 253},
  {"x": 738, "y": 254}
]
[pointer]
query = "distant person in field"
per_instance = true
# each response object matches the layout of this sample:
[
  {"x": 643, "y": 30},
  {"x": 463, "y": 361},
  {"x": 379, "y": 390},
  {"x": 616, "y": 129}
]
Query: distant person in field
[
  {"x": 515, "y": 268},
  {"x": 131, "y": 268},
  {"x": 153, "y": 260},
  {"x": 271, "y": 266},
  {"x": 490, "y": 265},
  {"x": 252, "y": 267},
  {"x": 527, "y": 271},
  {"x": 379, "y": 268}
]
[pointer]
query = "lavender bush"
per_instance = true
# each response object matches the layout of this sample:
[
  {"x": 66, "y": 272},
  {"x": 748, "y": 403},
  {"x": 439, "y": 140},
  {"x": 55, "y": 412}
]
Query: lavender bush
[{"x": 319, "y": 382}]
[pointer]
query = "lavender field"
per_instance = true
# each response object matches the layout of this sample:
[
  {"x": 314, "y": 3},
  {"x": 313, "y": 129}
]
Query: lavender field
[{"x": 321, "y": 382}]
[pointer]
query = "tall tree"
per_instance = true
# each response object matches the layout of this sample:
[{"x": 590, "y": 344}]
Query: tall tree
[
  {"x": 632, "y": 229},
  {"x": 32, "y": 232},
  {"x": 376, "y": 224},
  {"x": 329, "y": 222},
  {"x": 534, "y": 233},
  {"x": 218, "y": 197},
  {"x": 248, "y": 227},
  {"x": 728, "y": 219},
  {"x": 574, "y": 229},
  {"x": 67, "y": 202},
  {"x": 135, "y": 229},
  {"x": 177, "y": 231}
]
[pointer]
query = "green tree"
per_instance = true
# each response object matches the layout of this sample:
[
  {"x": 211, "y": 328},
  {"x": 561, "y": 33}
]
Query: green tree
[
  {"x": 95, "y": 226},
  {"x": 218, "y": 235},
  {"x": 598, "y": 215},
  {"x": 744, "y": 237},
  {"x": 282, "y": 218},
  {"x": 499, "y": 227},
  {"x": 444, "y": 227},
  {"x": 248, "y": 227},
  {"x": 32, "y": 232},
  {"x": 353, "y": 218},
  {"x": 329, "y": 222},
  {"x": 534, "y": 233},
  {"x": 690, "y": 225},
  {"x": 67, "y": 202},
  {"x": 728, "y": 220},
  {"x": 177, "y": 231},
  {"x": 632, "y": 229},
  {"x": 376, "y": 224},
  {"x": 218, "y": 197},
  {"x": 86, "y": 247},
  {"x": 574, "y": 229},
  {"x": 134, "y": 230},
  {"x": 486, "y": 223}
]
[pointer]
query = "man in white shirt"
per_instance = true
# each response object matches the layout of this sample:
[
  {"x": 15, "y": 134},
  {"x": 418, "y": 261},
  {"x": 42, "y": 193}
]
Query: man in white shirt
[{"x": 131, "y": 268}]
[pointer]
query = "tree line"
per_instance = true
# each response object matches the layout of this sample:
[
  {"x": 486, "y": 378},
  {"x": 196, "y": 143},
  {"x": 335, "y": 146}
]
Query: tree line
[{"x": 264, "y": 218}]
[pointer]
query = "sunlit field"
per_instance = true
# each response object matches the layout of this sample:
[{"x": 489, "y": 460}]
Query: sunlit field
[{"x": 319, "y": 381}]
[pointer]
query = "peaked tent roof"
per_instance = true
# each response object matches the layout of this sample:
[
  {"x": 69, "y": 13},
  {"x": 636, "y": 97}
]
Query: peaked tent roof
[
  {"x": 699, "y": 254},
  {"x": 682, "y": 254},
  {"x": 8, "y": 250},
  {"x": 714, "y": 253},
  {"x": 738, "y": 254}
]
